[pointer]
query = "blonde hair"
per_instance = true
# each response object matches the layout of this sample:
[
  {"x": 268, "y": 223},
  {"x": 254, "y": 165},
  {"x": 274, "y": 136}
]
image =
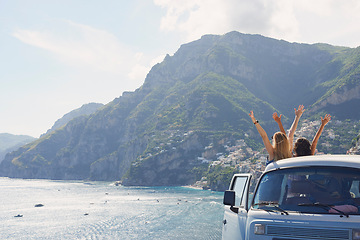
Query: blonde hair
[{"x": 281, "y": 146}]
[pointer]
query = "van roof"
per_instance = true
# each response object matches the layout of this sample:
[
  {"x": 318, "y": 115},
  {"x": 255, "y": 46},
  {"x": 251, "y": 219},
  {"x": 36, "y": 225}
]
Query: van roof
[{"x": 317, "y": 160}]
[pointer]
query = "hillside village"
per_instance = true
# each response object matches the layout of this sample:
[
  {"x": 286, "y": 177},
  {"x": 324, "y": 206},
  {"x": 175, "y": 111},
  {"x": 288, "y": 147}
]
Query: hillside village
[{"x": 247, "y": 160}]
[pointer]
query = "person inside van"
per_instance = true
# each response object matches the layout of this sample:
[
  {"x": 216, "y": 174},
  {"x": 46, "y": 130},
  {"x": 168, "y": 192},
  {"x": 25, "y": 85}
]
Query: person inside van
[
  {"x": 280, "y": 148},
  {"x": 302, "y": 146}
]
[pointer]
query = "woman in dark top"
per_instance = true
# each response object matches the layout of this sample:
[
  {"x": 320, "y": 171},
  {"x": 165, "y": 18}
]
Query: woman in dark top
[{"x": 302, "y": 146}]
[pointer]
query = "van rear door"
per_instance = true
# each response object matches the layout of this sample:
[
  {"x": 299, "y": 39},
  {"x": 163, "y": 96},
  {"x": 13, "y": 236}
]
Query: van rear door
[{"x": 236, "y": 207}]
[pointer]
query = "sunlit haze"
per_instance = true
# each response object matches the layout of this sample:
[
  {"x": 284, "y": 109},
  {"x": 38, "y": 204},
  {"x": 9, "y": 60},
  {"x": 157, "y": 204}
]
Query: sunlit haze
[{"x": 58, "y": 55}]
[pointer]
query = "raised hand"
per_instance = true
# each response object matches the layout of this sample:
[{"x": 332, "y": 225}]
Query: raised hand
[
  {"x": 299, "y": 111},
  {"x": 326, "y": 119},
  {"x": 276, "y": 117}
]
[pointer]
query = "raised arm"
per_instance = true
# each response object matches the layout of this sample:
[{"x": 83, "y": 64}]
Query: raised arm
[
  {"x": 269, "y": 148},
  {"x": 298, "y": 113},
  {"x": 324, "y": 121},
  {"x": 278, "y": 120}
]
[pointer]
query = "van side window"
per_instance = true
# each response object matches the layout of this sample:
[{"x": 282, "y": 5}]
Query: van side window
[{"x": 239, "y": 188}]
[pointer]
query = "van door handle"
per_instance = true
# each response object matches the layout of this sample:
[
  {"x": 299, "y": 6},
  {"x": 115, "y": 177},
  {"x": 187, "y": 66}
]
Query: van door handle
[{"x": 224, "y": 221}]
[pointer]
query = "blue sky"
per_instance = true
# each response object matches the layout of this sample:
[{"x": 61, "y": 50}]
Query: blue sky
[{"x": 57, "y": 55}]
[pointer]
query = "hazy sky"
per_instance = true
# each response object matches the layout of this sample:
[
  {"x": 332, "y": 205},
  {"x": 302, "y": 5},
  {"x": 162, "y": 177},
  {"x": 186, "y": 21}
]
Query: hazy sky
[{"x": 56, "y": 55}]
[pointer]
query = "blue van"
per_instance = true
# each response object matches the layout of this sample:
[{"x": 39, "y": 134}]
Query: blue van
[{"x": 313, "y": 197}]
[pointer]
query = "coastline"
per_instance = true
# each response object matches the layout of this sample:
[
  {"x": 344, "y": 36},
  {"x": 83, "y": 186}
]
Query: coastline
[{"x": 193, "y": 187}]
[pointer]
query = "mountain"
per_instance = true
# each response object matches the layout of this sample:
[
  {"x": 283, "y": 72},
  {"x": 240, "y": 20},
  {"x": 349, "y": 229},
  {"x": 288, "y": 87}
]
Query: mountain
[
  {"x": 191, "y": 106},
  {"x": 10, "y": 142},
  {"x": 85, "y": 109}
]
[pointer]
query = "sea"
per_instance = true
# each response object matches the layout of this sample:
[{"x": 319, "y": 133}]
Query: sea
[{"x": 47, "y": 209}]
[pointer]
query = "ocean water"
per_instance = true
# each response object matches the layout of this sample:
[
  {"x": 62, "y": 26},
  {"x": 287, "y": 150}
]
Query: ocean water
[{"x": 101, "y": 210}]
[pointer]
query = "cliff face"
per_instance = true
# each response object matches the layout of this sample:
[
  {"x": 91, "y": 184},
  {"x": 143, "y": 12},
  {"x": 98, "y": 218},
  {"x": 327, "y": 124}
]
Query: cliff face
[
  {"x": 199, "y": 97},
  {"x": 340, "y": 96}
]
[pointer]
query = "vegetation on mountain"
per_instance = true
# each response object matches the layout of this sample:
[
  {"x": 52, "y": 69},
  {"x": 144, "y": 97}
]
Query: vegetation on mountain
[{"x": 219, "y": 177}]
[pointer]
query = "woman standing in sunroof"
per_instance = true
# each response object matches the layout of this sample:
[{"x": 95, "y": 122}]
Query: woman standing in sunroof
[{"x": 280, "y": 148}]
